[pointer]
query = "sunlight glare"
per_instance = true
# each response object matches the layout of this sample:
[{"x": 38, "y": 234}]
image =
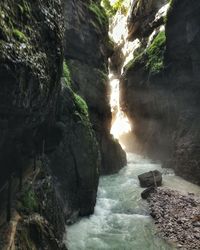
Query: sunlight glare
[
  {"x": 120, "y": 126},
  {"x": 119, "y": 33}
]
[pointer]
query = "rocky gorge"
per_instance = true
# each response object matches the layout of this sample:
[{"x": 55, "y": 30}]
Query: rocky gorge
[{"x": 55, "y": 110}]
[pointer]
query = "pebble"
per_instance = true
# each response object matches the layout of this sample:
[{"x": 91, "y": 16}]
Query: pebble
[{"x": 177, "y": 217}]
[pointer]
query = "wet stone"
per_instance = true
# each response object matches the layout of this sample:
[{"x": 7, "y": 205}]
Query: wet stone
[{"x": 152, "y": 178}]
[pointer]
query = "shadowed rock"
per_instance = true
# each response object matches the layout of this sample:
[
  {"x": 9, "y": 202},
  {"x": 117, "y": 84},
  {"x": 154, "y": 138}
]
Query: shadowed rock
[
  {"x": 151, "y": 178},
  {"x": 145, "y": 194}
]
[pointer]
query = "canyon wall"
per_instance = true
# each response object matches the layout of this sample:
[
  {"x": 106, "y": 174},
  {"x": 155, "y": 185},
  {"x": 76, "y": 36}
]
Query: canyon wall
[
  {"x": 49, "y": 155},
  {"x": 87, "y": 48},
  {"x": 160, "y": 86}
]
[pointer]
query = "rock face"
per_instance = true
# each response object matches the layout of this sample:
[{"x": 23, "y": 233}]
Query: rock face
[
  {"x": 30, "y": 69},
  {"x": 151, "y": 178},
  {"x": 75, "y": 163},
  {"x": 87, "y": 48},
  {"x": 160, "y": 88},
  {"x": 142, "y": 19},
  {"x": 31, "y": 34},
  {"x": 42, "y": 119}
]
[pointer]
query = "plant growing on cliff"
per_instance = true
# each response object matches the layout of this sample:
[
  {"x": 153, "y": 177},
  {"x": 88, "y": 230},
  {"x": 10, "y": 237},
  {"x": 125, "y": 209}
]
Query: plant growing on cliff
[
  {"x": 29, "y": 200},
  {"x": 99, "y": 13},
  {"x": 81, "y": 105},
  {"x": 111, "y": 9},
  {"x": 108, "y": 8},
  {"x": 20, "y": 35},
  {"x": 155, "y": 53},
  {"x": 66, "y": 74}
]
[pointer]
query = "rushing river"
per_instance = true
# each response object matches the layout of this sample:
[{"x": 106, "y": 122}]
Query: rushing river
[{"x": 121, "y": 220}]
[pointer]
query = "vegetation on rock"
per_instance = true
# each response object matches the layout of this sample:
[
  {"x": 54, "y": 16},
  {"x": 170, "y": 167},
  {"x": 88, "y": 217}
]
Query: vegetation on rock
[
  {"x": 99, "y": 13},
  {"x": 81, "y": 105},
  {"x": 29, "y": 200},
  {"x": 111, "y": 9},
  {"x": 66, "y": 74},
  {"x": 155, "y": 53},
  {"x": 152, "y": 57},
  {"x": 20, "y": 35}
]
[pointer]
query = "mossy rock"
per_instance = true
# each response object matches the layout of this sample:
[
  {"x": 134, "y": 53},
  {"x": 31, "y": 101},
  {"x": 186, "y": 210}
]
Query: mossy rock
[
  {"x": 112, "y": 9},
  {"x": 155, "y": 54},
  {"x": 151, "y": 58},
  {"x": 66, "y": 74},
  {"x": 19, "y": 35},
  {"x": 81, "y": 105},
  {"x": 29, "y": 200}
]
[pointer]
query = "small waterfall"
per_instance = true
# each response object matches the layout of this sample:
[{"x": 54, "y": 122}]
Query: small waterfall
[{"x": 118, "y": 32}]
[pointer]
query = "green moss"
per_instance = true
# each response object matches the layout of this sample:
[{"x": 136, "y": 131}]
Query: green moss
[
  {"x": 99, "y": 13},
  {"x": 29, "y": 200},
  {"x": 111, "y": 10},
  {"x": 118, "y": 5},
  {"x": 155, "y": 53},
  {"x": 153, "y": 57},
  {"x": 20, "y": 35},
  {"x": 108, "y": 8},
  {"x": 66, "y": 74},
  {"x": 81, "y": 105}
]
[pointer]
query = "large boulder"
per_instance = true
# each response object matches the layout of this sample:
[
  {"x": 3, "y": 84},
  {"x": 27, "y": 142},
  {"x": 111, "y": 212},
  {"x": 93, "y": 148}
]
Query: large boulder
[{"x": 151, "y": 178}]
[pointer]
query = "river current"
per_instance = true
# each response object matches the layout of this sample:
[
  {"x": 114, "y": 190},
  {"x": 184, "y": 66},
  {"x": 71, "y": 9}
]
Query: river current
[{"x": 121, "y": 219}]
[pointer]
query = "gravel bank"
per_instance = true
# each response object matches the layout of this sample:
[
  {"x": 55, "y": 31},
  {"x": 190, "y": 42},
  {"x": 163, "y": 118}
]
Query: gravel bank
[{"x": 177, "y": 217}]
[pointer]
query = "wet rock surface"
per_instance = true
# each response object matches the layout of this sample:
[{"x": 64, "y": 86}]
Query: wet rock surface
[
  {"x": 146, "y": 193},
  {"x": 142, "y": 18},
  {"x": 41, "y": 118},
  {"x": 76, "y": 161},
  {"x": 177, "y": 217},
  {"x": 151, "y": 178}
]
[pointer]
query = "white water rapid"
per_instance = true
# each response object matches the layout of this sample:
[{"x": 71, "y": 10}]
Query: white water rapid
[{"x": 121, "y": 219}]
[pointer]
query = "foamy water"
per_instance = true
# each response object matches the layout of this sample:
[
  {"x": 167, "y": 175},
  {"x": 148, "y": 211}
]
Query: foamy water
[{"x": 121, "y": 219}]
